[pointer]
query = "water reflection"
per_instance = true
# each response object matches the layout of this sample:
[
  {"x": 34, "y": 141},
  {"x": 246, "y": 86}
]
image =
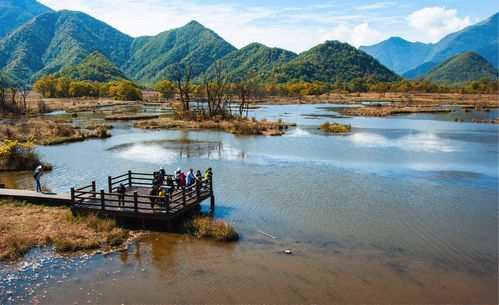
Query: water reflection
[
  {"x": 167, "y": 150},
  {"x": 427, "y": 142}
]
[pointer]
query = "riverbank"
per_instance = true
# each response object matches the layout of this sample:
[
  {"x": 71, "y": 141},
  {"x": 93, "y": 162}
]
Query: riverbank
[
  {"x": 26, "y": 226},
  {"x": 234, "y": 126}
]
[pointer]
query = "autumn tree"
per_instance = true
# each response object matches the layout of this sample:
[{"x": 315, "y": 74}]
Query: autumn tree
[{"x": 166, "y": 89}]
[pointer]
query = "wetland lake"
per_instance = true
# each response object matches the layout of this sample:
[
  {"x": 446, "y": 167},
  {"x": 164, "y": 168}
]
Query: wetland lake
[{"x": 401, "y": 210}]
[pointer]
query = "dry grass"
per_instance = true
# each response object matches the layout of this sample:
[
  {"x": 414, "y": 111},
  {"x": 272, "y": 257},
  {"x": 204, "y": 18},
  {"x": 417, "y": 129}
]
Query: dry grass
[
  {"x": 47, "y": 131},
  {"x": 207, "y": 227},
  {"x": 129, "y": 117},
  {"x": 98, "y": 125},
  {"x": 235, "y": 126},
  {"x": 478, "y": 100},
  {"x": 335, "y": 127},
  {"x": 382, "y": 111},
  {"x": 486, "y": 121},
  {"x": 25, "y": 226}
]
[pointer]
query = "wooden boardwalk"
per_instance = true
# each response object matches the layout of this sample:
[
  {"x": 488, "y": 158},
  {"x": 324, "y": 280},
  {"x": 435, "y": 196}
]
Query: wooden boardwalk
[
  {"x": 34, "y": 197},
  {"x": 137, "y": 202}
]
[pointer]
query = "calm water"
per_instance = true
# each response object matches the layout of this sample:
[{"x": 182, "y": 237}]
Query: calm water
[{"x": 403, "y": 209}]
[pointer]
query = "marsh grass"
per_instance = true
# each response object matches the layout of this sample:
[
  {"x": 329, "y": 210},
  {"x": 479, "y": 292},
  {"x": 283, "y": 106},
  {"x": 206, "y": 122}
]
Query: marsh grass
[
  {"x": 133, "y": 116},
  {"x": 235, "y": 126},
  {"x": 335, "y": 127},
  {"x": 380, "y": 111},
  {"x": 26, "y": 226},
  {"x": 206, "y": 227}
]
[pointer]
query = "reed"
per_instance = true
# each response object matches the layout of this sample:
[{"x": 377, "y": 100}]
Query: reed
[{"x": 207, "y": 227}]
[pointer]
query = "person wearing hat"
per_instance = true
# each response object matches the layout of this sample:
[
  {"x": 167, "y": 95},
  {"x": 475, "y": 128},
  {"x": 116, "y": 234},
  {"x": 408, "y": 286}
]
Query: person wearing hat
[
  {"x": 37, "y": 175},
  {"x": 162, "y": 173},
  {"x": 177, "y": 178}
]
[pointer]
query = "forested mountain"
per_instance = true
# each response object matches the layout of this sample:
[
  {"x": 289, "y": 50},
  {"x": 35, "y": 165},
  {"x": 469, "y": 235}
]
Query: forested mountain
[
  {"x": 14, "y": 13},
  {"x": 466, "y": 67},
  {"x": 329, "y": 62},
  {"x": 96, "y": 67},
  {"x": 193, "y": 43},
  {"x": 253, "y": 58},
  {"x": 65, "y": 42},
  {"x": 61, "y": 39},
  {"x": 403, "y": 56}
]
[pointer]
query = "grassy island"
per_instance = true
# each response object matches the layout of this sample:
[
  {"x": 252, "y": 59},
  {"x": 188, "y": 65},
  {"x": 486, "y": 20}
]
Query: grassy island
[
  {"x": 207, "y": 227},
  {"x": 335, "y": 127},
  {"x": 235, "y": 126}
]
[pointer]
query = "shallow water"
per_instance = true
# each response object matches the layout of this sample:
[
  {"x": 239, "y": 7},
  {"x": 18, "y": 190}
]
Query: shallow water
[{"x": 403, "y": 209}]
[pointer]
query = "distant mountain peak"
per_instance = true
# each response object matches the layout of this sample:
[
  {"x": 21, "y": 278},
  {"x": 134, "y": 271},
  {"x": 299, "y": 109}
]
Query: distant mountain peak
[{"x": 464, "y": 67}]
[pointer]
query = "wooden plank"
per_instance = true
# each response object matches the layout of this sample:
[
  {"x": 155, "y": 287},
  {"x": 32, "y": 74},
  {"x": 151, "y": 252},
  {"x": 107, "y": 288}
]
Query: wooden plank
[{"x": 35, "y": 197}]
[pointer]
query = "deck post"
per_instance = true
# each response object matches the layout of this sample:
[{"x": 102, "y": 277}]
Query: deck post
[
  {"x": 110, "y": 183},
  {"x": 102, "y": 200},
  {"x": 72, "y": 196},
  {"x": 94, "y": 190},
  {"x": 212, "y": 197},
  {"x": 198, "y": 190},
  {"x": 129, "y": 178},
  {"x": 183, "y": 195},
  {"x": 135, "y": 202},
  {"x": 167, "y": 203}
]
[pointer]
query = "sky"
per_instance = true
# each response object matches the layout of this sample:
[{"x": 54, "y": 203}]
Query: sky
[{"x": 291, "y": 24}]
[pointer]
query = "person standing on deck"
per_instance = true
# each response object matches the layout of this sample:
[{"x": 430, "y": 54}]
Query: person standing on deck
[
  {"x": 207, "y": 176},
  {"x": 199, "y": 178},
  {"x": 182, "y": 179},
  {"x": 177, "y": 177},
  {"x": 162, "y": 173},
  {"x": 190, "y": 179},
  {"x": 38, "y": 174},
  {"x": 121, "y": 196}
]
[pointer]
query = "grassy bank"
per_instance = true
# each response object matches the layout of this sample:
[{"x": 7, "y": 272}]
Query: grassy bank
[
  {"x": 335, "y": 127},
  {"x": 235, "y": 126},
  {"x": 47, "y": 131},
  {"x": 382, "y": 111},
  {"x": 25, "y": 226},
  {"x": 207, "y": 227}
]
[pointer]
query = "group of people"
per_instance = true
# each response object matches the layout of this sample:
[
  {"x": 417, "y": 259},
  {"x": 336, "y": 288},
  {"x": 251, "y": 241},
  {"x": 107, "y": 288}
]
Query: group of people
[{"x": 164, "y": 184}]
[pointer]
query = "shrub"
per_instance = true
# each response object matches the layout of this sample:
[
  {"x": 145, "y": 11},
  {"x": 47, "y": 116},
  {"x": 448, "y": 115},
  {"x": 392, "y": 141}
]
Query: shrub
[
  {"x": 207, "y": 227},
  {"x": 15, "y": 156},
  {"x": 335, "y": 127}
]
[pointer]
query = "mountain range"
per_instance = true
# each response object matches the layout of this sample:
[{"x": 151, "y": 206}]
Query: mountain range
[
  {"x": 75, "y": 44},
  {"x": 411, "y": 59},
  {"x": 465, "y": 67}
]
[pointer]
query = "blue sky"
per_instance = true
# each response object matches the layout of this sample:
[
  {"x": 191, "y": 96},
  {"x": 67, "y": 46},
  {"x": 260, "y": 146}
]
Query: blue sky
[{"x": 294, "y": 25}]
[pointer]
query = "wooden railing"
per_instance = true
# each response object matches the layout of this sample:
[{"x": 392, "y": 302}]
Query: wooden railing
[{"x": 88, "y": 196}]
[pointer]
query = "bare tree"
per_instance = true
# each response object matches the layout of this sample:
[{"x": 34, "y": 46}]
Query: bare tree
[
  {"x": 181, "y": 75},
  {"x": 218, "y": 93},
  {"x": 13, "y": 92},
  {"x": 24, "y": 91},
  {"x": 246, "y": 90}
]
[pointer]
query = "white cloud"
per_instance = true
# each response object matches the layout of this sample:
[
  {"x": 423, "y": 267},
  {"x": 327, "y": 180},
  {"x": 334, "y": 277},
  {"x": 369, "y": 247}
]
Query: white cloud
[
  {"x": 359, "y": 35},
  {"x": 437, "y": 22},
  {"x": 375, "y": 6}
]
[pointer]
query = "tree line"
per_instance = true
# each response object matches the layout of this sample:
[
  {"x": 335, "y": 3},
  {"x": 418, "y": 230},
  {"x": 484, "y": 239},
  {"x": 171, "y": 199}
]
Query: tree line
[{"x": 51, "y": 87}]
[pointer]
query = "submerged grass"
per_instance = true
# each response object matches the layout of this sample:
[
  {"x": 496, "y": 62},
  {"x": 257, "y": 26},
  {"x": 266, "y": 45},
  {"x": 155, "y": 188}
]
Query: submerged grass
[
  {"x": 133, "y": 116},
  {"x": 207, "y": 227},
  {"x": 26, "y": 226}
]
